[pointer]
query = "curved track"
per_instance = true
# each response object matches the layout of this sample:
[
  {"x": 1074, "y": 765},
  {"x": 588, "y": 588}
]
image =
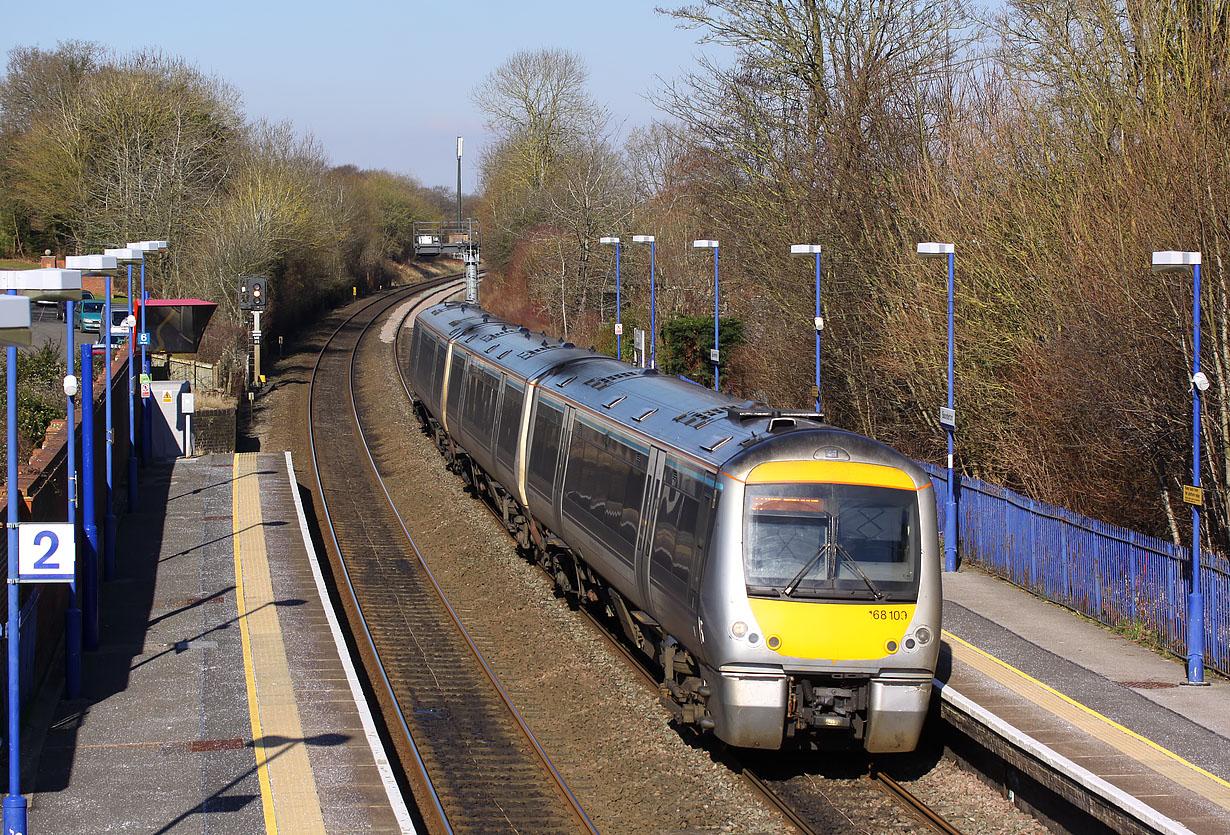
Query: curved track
[{"x": 479, "y": 768}]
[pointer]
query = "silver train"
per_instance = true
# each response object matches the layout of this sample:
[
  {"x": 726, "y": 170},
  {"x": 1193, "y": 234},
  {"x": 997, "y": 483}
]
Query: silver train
[{"x": 783, "y": 573}]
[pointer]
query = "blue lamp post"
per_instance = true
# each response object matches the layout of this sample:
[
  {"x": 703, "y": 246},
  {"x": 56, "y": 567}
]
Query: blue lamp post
[
  {"x": 808, "y": 249},
  {"x": 49, "y": 284},
  {"x": 73, "y": 622},
  {"x": 125, "y": 257},
  {"x": 619, "y": 325},
  {"x": 715, "y": 355},
  {"x": 948, "y": 416},
  {"x": 653, "y": 318},
  {"x": 1171, "y": 261},
  {"x": 149, "y": 248}
]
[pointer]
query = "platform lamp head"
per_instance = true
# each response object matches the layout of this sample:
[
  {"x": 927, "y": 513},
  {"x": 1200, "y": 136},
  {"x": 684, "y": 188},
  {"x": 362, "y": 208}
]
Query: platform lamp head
[
  {"x": 43, "y": 285},
  {"x": 14, "y": 321}
]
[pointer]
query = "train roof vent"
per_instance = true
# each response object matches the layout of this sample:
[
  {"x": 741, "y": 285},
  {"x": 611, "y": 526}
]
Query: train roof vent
[
  {"x": 609, "y": 380},
  {"x": 537, "y": 350},
  {"x": 563, "y": 383},
  {"x": 644, "y": 415},
  {"x": 506, "y": 353},
  {"x": 615, "y": 402},
  {"x": 700, "y": 417},
  {"x": 711, "y": 447}
]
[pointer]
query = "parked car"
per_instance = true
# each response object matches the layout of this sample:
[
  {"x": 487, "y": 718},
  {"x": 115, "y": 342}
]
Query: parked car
[
  {"x": 61, "y": 307},
  {"x": 119, "y": 326},
  {"x": 88, "y": 314}
]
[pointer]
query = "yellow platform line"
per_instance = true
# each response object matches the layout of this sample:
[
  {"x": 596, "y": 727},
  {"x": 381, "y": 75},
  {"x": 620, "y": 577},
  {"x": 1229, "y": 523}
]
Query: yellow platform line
[
  {"x": 1144, "y": 751},
  {"x": 288, "y": 788}
]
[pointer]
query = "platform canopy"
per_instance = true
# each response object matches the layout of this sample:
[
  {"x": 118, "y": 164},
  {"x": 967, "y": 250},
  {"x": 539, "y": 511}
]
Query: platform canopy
[{"x": 176, "y": 325}]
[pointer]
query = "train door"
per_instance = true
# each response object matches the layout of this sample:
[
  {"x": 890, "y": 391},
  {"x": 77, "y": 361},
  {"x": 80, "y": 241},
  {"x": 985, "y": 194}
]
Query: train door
[
  {"x": 649, "y": 509},
  {"x": 565, "y": 443}
]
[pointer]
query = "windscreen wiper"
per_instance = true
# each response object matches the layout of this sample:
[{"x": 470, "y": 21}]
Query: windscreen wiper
[
  {"x": 853, "y": 563},
  {"x": 798, "y": 578}
]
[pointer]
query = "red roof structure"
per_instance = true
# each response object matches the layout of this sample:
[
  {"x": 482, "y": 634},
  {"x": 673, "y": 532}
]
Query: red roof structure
[{"x": 176, "y": 325}]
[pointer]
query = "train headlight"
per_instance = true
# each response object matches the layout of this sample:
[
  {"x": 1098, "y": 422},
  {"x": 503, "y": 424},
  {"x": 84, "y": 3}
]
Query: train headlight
[
  {"x": 891, "y": 646},
  {"x": 774, "y": 642},
  {"x": 923, "y": 635},
  {"x": 738, "y": 629}
]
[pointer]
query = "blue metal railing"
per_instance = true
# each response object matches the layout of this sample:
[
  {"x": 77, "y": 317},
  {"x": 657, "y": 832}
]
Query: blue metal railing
[{"x": 1116, "y": 576}]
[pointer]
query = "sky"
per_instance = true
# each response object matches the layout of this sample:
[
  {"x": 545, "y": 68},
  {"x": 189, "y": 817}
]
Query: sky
[{"x": 380, "y": 84}]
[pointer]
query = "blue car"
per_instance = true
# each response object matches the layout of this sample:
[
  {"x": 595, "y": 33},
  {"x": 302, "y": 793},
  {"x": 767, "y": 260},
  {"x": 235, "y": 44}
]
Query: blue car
[{"x": 87, "y": 314}]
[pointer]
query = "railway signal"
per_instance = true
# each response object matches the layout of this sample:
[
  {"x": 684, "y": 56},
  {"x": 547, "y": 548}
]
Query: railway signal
[{"x": 253, "y": 296}]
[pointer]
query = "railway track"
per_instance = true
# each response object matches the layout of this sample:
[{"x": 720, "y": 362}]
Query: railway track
[
  {"x": 473, "y": 763},
  {"x": 876, "y": 781}
]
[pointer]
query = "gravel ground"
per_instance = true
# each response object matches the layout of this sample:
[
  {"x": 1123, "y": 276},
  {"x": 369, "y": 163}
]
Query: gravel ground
[{"x": 603, "y": 728}]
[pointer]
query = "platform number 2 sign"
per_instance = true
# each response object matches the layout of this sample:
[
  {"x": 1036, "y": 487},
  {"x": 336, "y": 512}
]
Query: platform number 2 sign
[{"x": 47, "y": 552}]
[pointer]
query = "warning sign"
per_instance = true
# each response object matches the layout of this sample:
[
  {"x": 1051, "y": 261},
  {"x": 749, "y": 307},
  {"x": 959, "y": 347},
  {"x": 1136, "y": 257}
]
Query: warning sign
[
  {"x": 144, "y": 391},
  {"x": 166, "y": 397}
]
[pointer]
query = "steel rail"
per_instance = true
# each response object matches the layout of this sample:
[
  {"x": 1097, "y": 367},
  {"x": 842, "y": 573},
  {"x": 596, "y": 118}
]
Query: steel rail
[
  {"x": 420, "y": 766},
  {"x": 928, "y": 815},
  {"x": 555, "y": 778}
]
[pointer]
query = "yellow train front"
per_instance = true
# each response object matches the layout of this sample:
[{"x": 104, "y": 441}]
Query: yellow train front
[{"x": 819, "y": 614}]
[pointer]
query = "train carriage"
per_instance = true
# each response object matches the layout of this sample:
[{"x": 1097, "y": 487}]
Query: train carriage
[{"x": 784, "y": 573}]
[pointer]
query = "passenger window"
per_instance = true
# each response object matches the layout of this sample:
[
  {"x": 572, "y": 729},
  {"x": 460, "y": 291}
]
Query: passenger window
[
  {"x": 544, "y": 450},
  {"x": 456, "y": 377},
  {"x": 510, "y": 423}
]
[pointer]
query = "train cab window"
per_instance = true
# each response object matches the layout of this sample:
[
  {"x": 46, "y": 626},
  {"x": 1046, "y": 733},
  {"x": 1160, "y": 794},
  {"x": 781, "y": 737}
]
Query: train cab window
[
  {"x": 843, "y": 541},
  {"x": 510, "y": 422},
  {"x": 544, "y": 449}
]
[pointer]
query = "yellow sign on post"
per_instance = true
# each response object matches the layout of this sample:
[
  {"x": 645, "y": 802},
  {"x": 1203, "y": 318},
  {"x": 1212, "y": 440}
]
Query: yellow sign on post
[{"x": 1193, "y": 495}]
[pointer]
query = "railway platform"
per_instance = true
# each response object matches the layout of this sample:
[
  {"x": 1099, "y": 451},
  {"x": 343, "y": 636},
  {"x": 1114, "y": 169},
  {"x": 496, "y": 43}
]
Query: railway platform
[
  {"x": 221, "y": 697},
  {"x": 1084, "y": 711}
]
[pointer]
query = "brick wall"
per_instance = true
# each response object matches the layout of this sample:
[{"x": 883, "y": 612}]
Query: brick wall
[{"x": 213, "y": 431}]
